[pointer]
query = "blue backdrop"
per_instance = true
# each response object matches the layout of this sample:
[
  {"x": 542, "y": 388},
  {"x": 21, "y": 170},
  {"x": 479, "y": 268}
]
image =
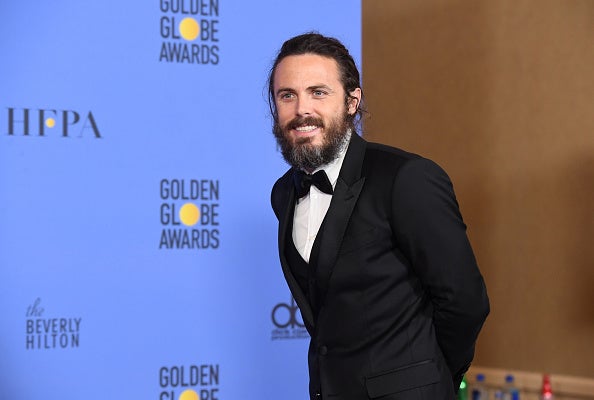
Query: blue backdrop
[{"x": 138, "y": 251}]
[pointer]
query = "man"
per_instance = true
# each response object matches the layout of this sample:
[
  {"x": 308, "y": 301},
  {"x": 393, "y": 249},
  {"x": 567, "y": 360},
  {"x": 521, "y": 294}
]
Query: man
[{"x": 373, "y": 248}]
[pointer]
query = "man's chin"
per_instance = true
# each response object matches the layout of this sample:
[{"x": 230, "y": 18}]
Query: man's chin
[
  {"x": 296, "y": 137},
  {"x": 302, "y": 142},
  {"x": 307, "y": 148}
]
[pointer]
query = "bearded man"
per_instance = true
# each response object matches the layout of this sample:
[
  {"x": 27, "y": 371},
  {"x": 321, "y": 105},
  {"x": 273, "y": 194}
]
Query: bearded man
[{"x": 371, "y": 241}]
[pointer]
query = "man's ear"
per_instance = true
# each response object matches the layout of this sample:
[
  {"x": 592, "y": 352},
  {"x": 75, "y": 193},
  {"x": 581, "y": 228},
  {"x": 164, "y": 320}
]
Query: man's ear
[{"x": 354, "y": 101}]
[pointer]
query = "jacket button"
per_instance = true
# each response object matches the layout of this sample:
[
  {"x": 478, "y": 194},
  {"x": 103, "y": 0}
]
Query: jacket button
[{"x": 323, "y": 350}]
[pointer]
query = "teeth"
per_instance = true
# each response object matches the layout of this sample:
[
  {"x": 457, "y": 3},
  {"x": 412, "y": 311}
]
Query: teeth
[{"x": 306, "y": 128}]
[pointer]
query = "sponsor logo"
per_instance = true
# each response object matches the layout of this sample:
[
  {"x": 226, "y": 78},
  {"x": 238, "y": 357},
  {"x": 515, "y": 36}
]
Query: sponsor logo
[
  {"x": 287, "y": 321},
  {"x": 44, "y": 333}
]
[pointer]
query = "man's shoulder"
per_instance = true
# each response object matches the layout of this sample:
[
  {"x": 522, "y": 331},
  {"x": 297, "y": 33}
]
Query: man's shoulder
[
  {"x": 284, "y": 181},
  {"x": 383, "y": 161},
  {"x": 383, "y": 156},
  {"x": 391, "y": 153},
  {"x": 281, "y": 190}
]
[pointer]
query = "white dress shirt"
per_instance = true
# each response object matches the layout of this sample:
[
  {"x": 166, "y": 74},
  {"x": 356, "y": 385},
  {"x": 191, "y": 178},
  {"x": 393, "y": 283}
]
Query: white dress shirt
[{"x": 311, "y": 209}]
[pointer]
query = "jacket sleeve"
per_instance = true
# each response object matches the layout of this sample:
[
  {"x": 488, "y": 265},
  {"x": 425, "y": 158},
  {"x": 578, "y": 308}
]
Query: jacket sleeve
[{"x": 430, "y": 232}]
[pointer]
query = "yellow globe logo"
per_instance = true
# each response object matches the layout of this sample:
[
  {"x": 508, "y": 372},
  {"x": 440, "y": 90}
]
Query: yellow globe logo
[
  {"x": 189, "y": 214},
  {"x": 189, "y": 395},
  {"x": 189, "y": 29},
  {"x": 50, "y": 122}
]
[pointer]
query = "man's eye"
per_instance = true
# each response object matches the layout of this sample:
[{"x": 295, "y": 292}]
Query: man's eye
[
  {"x": 286, "y": 96},
  {"x": 319, "y": 93}
]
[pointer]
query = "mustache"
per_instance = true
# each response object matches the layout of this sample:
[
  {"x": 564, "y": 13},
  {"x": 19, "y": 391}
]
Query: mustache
[{"x": 303, "y": 121}]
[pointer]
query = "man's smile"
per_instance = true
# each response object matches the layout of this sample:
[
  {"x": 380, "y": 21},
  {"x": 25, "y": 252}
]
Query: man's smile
[{"x": 306, "y": 130}]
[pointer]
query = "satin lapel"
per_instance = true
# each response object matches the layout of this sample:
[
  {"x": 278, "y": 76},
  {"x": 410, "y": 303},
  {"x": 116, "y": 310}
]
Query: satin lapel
[
  {"x": 346, "y": 193},
  {"x": 283, "y": 226}
]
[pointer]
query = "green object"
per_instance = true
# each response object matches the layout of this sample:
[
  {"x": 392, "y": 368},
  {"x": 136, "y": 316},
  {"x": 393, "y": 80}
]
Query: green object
[{"x": 463, "y": 391}]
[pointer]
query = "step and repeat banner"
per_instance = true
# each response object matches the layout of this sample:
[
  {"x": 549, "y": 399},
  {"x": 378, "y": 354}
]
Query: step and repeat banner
[{"x": 138, "y": 253}]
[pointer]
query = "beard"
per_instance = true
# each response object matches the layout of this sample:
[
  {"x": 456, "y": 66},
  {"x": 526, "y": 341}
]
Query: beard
[{"x": 301, "y": 153}]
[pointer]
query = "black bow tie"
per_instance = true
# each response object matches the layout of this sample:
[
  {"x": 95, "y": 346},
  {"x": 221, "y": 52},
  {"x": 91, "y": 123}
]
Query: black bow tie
[{"x": 304, "y": 181}]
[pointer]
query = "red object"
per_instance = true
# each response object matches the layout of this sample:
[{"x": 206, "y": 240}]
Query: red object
[{"x": 547, "y": 390}]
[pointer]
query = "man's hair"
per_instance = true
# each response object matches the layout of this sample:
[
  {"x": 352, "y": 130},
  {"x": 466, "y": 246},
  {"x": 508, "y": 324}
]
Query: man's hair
[{"x": 314, "y": 43}]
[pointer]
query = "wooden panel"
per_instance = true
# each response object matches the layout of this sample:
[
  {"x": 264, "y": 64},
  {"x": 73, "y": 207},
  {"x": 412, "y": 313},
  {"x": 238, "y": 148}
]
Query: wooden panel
[{"x": 501, "y": 94}]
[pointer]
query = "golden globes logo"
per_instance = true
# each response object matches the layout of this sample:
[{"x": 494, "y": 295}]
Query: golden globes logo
[
  {"x": 51, "y": 122},
  {"x": 189, "y": 214},
  {"x": 190, "y": 31},
  {"x": 192, "y": 382}
]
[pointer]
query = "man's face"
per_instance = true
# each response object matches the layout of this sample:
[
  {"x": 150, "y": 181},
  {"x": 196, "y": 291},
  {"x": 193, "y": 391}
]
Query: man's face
[{"x": 312, "y": 113}]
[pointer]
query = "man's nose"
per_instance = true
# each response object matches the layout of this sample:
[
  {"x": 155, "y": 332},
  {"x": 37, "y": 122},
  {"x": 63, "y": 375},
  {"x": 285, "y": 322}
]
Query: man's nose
[{"x": 304, "y": 106}]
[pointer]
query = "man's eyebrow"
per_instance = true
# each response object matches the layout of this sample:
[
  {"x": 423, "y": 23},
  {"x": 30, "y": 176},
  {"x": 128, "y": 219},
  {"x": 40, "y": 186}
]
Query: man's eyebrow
[
  {"x": 309, "y": 88},
  {"x": 280, "y": 90},
  {"x": 320, "y": 86}
]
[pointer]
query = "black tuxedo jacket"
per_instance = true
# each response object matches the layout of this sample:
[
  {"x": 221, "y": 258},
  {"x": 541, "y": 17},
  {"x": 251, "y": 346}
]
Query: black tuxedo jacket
[{"x": 401, "y": 297}]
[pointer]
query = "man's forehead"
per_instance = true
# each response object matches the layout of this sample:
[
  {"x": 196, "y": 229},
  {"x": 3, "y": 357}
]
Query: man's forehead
[{"x": 305, "y": 67}]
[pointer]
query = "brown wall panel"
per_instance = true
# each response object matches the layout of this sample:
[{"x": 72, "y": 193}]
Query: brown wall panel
[{"x": 501, "y": 94}]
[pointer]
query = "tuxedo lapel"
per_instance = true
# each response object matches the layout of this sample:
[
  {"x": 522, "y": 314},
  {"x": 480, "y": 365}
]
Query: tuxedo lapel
[
  {"x": 346, "y": 193},
  {"x": 285, "y": 223}
]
